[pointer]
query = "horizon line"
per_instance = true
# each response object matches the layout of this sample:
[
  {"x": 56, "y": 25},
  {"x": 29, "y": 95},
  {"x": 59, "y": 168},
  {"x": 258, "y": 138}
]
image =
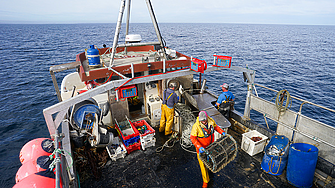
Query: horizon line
[{"x": 77, "y": 23}]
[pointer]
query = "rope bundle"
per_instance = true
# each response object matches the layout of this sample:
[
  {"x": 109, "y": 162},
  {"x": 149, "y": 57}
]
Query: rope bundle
[{"x": 280, "y": 98}]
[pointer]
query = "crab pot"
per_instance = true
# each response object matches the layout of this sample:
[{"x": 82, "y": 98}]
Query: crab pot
[{"x": 219, "y": 153}]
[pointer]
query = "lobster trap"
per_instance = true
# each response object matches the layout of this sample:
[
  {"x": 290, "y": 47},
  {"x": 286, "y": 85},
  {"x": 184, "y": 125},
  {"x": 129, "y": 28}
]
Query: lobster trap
[{"x": 219, "y": 153}]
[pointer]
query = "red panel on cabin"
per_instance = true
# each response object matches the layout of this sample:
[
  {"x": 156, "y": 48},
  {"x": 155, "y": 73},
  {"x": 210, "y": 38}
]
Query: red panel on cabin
[
  {"x": 140, "y": 67},
  {"x": 104, "y": 72}
]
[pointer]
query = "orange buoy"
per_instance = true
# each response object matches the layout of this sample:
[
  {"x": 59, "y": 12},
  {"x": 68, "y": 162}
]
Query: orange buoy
[
  {"x": 41, "y": 179},
  {"x": 42, "y": 163},
  {"x": 36, "y": 148}
]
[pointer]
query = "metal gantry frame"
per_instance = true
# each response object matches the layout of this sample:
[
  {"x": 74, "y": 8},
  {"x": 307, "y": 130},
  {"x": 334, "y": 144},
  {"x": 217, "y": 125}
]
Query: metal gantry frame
[
  {"x": 118, "y": 28},
  {"x": 117, "y": 32}
]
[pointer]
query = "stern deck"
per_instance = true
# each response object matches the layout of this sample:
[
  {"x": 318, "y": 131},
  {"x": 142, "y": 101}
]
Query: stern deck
[{"x": 175, "y": 167}]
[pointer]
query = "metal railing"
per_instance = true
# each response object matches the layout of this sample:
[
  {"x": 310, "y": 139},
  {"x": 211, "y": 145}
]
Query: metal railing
[{"x": 297, "y": 126}]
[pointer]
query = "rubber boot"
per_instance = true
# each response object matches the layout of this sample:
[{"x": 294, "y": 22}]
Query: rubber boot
[{"x": 204, "y": 185}]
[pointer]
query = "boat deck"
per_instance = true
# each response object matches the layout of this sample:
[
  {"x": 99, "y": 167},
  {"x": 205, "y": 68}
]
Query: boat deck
[{"x": 175, "y": 167}]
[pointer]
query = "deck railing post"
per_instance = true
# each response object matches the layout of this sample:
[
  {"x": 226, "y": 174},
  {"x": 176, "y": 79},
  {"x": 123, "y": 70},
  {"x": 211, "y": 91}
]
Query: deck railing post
[
  {"x": 164, "y": 66},
  {"x": 58, "y": 162},
  {"x": 247, "y": 102},
  {"x": 203, "y": 86}
]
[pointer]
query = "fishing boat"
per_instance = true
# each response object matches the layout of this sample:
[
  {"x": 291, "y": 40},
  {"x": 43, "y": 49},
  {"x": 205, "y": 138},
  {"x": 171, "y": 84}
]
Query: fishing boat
[{"x": 114, "y": 89}]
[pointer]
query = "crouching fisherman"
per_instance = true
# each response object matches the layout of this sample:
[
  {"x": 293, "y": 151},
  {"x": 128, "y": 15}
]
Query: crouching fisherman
[
  {"x": 225, "y": 102},
  {"x": 202, "y": 135}
]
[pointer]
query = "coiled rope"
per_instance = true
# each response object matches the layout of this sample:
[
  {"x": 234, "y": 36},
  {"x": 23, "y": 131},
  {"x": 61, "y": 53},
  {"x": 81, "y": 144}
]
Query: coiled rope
[
  {"x": 188, "y": 119},
  {"x": 166, "y": 144},
  {"x": 280, "y": 98}
]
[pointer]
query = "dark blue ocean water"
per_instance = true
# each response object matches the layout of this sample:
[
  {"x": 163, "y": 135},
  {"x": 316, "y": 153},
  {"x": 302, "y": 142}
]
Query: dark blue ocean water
[{"x": 300, "y": 59}]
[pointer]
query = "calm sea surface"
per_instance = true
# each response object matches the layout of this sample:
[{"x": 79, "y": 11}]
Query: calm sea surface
[{"x": 300, "y": 59}]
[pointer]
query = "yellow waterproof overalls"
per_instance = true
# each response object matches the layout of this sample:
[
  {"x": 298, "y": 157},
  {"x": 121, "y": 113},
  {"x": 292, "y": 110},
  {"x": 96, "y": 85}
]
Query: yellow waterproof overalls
[{"x": 167, "y": 115}]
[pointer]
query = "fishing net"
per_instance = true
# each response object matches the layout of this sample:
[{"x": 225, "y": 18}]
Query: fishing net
[
  {"x": 188, "y": 120},
  {"x": 219, "y": 153}
]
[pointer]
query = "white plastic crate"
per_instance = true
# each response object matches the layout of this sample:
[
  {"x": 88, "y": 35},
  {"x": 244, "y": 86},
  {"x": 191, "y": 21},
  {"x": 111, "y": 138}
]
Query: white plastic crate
[
  {"x": 251, "y": 147},
  {"x": 147, "y": 137},
  {"x": 118, "y": 152},
  {"x": 148, "y": 142}
]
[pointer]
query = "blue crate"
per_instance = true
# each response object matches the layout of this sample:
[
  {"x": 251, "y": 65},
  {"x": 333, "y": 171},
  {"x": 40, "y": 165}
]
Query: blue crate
[
  {"x": 131, "y": 141},
  {"x": 127, "y": 138}
]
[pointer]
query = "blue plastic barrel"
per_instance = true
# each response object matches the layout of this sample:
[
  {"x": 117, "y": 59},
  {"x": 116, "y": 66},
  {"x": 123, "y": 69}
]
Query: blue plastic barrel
[
  {"x": 93, "y": 56},
  {"x": 301, "y": 164},
  {"x": 275, "y": 164}
]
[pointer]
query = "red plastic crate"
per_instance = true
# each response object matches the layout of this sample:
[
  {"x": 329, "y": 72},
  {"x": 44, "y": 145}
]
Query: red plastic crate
[
  {"x": 141, "y": 123},
  {"x": 128, "y": 137},
  {"x": 133, "y": 147},
  {"x": 131, "y": 138}
]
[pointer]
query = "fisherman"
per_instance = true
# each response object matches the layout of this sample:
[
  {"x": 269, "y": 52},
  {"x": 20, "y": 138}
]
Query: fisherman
[
  {"x": 170, "y": 98},
  {"x": 202, "y": 135},
  {"x": 225, "y": 101}
]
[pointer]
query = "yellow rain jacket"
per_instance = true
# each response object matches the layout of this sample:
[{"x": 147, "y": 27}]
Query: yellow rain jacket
[{"x": 203, "y": 137}]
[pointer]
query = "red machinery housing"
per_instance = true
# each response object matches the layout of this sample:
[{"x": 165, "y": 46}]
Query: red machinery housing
[
  {"x": 198, "y": 65},
  {"x": 222, "y": 61}
]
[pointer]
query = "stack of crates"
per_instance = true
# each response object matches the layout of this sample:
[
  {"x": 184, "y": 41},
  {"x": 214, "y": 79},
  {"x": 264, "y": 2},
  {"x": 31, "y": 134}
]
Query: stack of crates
[
  {"x": 116, "y": 150},
  {"x": 147, "y": 134},
  {"x": 129, "y": 135}
]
